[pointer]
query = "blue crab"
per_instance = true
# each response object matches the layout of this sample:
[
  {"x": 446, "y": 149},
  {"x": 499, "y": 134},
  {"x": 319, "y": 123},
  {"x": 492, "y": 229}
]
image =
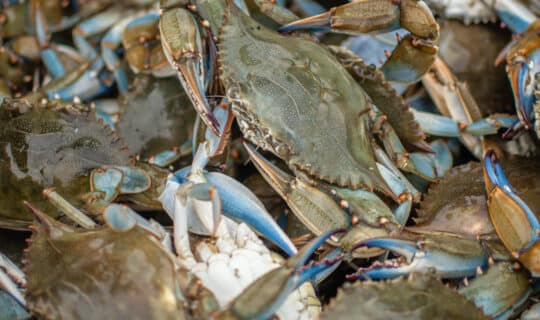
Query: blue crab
[
  {"x": 59, "y": 145},
  {"x": 421, "y": 298},
  {"x": 447, "y": 255},
  {"x": 180, "y": 286}
]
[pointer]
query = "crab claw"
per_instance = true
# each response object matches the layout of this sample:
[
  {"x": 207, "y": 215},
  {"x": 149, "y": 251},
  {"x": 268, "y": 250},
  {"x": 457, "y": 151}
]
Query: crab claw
[
  {"x": 239, "y": 203},
  {"x": 413, "y": 55},
  {"x": 430, "y": 255},
  {"x": 181, "y": 42},
  {"x": 316, "y": 209},
  {"x": 279, "y": 283},
  {"x": 515, "y": 223},
  {"x": 523, "y": 85}
]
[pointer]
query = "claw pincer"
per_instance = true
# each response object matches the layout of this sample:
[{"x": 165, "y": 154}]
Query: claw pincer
[{"x": 515, "y": 223}]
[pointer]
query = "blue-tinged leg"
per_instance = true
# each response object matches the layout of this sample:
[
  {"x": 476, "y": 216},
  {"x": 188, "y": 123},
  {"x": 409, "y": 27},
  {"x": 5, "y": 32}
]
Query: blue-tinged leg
[
  {"x": 91, "y": 84},
  {"x": 442, "y": 126},
  {"x": 93, "y": 26},
  {"x": 49, "y": 57},
  {"x": 113, "y": 39},
  {"x": 435, "y": 253}
]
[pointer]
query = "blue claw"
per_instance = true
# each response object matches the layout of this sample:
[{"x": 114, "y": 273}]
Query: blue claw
[
  {"x": 304, "y": 274},
  {"x": 496, "y": 179},
  {"x": 433, "y": 254},
  {"x": 239, "y": 203},
  {"x": 287, "y": 278}
]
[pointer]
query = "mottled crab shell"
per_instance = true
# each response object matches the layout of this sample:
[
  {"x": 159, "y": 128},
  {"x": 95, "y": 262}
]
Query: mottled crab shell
[
  {"x": 385, "y": 97},
  {"x": 156, "y": 116},
  {"x": 100, "y": 274},
  {"x": 420, "y": 297},
  {"x": 292, "y": 97},
  {"x": 41, "y": 148}
]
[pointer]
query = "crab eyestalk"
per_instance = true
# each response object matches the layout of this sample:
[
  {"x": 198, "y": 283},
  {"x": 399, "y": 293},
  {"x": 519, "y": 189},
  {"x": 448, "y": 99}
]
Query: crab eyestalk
[
  {"x": 265, "y": 295},
  {"x": 414, "y": 53},
  {"x": 182, "y": 45},
  {"x": 515, "y": 223},
  {"x": 430, "y": 254}
]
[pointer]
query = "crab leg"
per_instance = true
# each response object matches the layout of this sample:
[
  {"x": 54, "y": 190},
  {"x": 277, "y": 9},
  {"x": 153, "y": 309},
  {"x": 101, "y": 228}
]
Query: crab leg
[
  {"x": 419, "y": 163},
  {"x": 9, "y": 274},
  {"x": 95, "y": 25},
  {"x": 414, "y": 54},
  {"x": 182, "y": 45},
  {"x": 453, "y": 99},
  {"x": 514, "y": 221},
  {"x": 109, "y": 43},
  {"x": 514, "y": 14},
  {"x": 48, "y": 56},
  {"x": 446, "y": 127},
  {"x": 363, "y": 213},
  {"x": 424, "y": 258},
  {"x": 122, "y": 218},
  {"x": 279, "y": 283},
  {"x": 317, "y": 210}
]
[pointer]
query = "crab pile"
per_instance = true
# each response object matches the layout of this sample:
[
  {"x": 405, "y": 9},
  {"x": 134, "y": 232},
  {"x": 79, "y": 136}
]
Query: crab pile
[{"x": 258, "y": 159}]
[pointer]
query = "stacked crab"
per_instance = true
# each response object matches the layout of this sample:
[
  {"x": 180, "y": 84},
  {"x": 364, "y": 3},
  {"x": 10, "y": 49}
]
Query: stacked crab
[{"x": 214, "y": 159}]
